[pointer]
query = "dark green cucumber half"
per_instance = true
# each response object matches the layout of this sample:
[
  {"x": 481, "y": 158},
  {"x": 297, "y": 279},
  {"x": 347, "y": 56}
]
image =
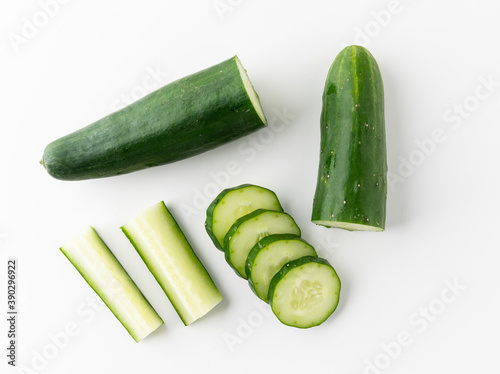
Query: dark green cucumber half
[
  {"x": 351, "y": 189},
  {"x": 305, "y": 292},
  {"x": 269, "y": 255},
  {"x": 184, "y": 118},
  {"x": 251, "y": 228},
  {"x": 233, "y": 203}
]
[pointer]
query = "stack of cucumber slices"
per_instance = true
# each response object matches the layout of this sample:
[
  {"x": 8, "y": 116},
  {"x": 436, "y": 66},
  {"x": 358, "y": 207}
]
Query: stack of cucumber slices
[{"x": 262, "y": 244}]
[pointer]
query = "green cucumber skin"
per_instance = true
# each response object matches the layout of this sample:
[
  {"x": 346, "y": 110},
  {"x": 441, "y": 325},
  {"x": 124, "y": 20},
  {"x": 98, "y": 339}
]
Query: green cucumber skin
[
  {"x": 232, "y": 231},
  {"x": 352, "y": 175},
  {"x": 182, "y": 119},
  {"x": 295, "y": 264},
  {"x": 211, "y": 207}
]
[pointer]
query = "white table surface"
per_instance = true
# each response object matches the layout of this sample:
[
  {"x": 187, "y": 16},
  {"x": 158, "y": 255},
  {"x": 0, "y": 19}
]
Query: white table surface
[{"x": 422, "y": 297}]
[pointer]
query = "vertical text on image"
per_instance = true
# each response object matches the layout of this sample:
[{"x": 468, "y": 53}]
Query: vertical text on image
[{"x": 12, "y": 311}]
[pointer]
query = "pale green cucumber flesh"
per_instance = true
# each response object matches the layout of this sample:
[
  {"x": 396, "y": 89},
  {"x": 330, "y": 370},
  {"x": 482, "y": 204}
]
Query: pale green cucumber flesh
[
  {"x": 351, "y": 189},
  {"x": 305, "y": 292},
  {"x": 184, "y": 118},
  {"x": 269, "y": 255},
  {"x": 167, "y": 253},
  {"x": 233, "y": 203},
  {"x": 251, "y": 228},
  {"x": 102, "y": 271},
  {"x": 348, "y": 225}
]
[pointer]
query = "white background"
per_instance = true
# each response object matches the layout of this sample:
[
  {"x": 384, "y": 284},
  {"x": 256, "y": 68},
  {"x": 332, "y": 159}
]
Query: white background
[{"x": 85, "y": 57}]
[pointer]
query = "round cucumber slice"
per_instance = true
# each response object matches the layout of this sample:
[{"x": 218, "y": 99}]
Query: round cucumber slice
[
  {"x": 233, "y": 203},
  {"x": 269, "y": 255},
  {"x": 251, "y": 228},
  {"x": 305, "y": 292}
]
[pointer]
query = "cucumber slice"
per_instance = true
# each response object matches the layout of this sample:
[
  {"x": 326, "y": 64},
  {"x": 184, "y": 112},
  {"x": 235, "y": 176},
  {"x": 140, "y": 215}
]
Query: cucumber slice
[
  {"x": 269, "y": 255},
  {"x": 305, "y": 292},
  {"x": 233, "y": 203},
  {"x": 102, "y": 271},
  {"x": 251, "y": 228},
  {"x": 162, "y": 245}
]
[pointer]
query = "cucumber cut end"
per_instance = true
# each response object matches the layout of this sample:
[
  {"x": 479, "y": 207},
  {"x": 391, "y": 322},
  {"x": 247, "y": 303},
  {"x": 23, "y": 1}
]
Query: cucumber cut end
[
  {"x": 349, "y": 226},
  {"x": 138, "y": 337},
  {"x": 254, "y": 98}
]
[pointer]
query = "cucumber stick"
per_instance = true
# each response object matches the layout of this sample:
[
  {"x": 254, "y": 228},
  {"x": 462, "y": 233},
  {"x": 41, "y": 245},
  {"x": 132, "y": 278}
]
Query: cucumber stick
[
  {"x": 351, "y": 188},
  {"x": 162, "y": 245},
  {"x": 182, "y": 119},
  {"x": 305, "y": 292},
  {"x": 233, "y": 203},
  {"x": 102, "y": 271}
]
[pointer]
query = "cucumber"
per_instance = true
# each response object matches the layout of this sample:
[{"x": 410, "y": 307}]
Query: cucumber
[
  {"x": 102, "y": 271},
  {"x": 182, "y": 119},
  {"x": 162, "y": 245},
  {"x": 251, "y": 228},
  {"x": 351, "y": 189},
  {"x": 305, "y": 292},
  {"x": 233, "y": 203},
  {"x": 269, "y": 255}
]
